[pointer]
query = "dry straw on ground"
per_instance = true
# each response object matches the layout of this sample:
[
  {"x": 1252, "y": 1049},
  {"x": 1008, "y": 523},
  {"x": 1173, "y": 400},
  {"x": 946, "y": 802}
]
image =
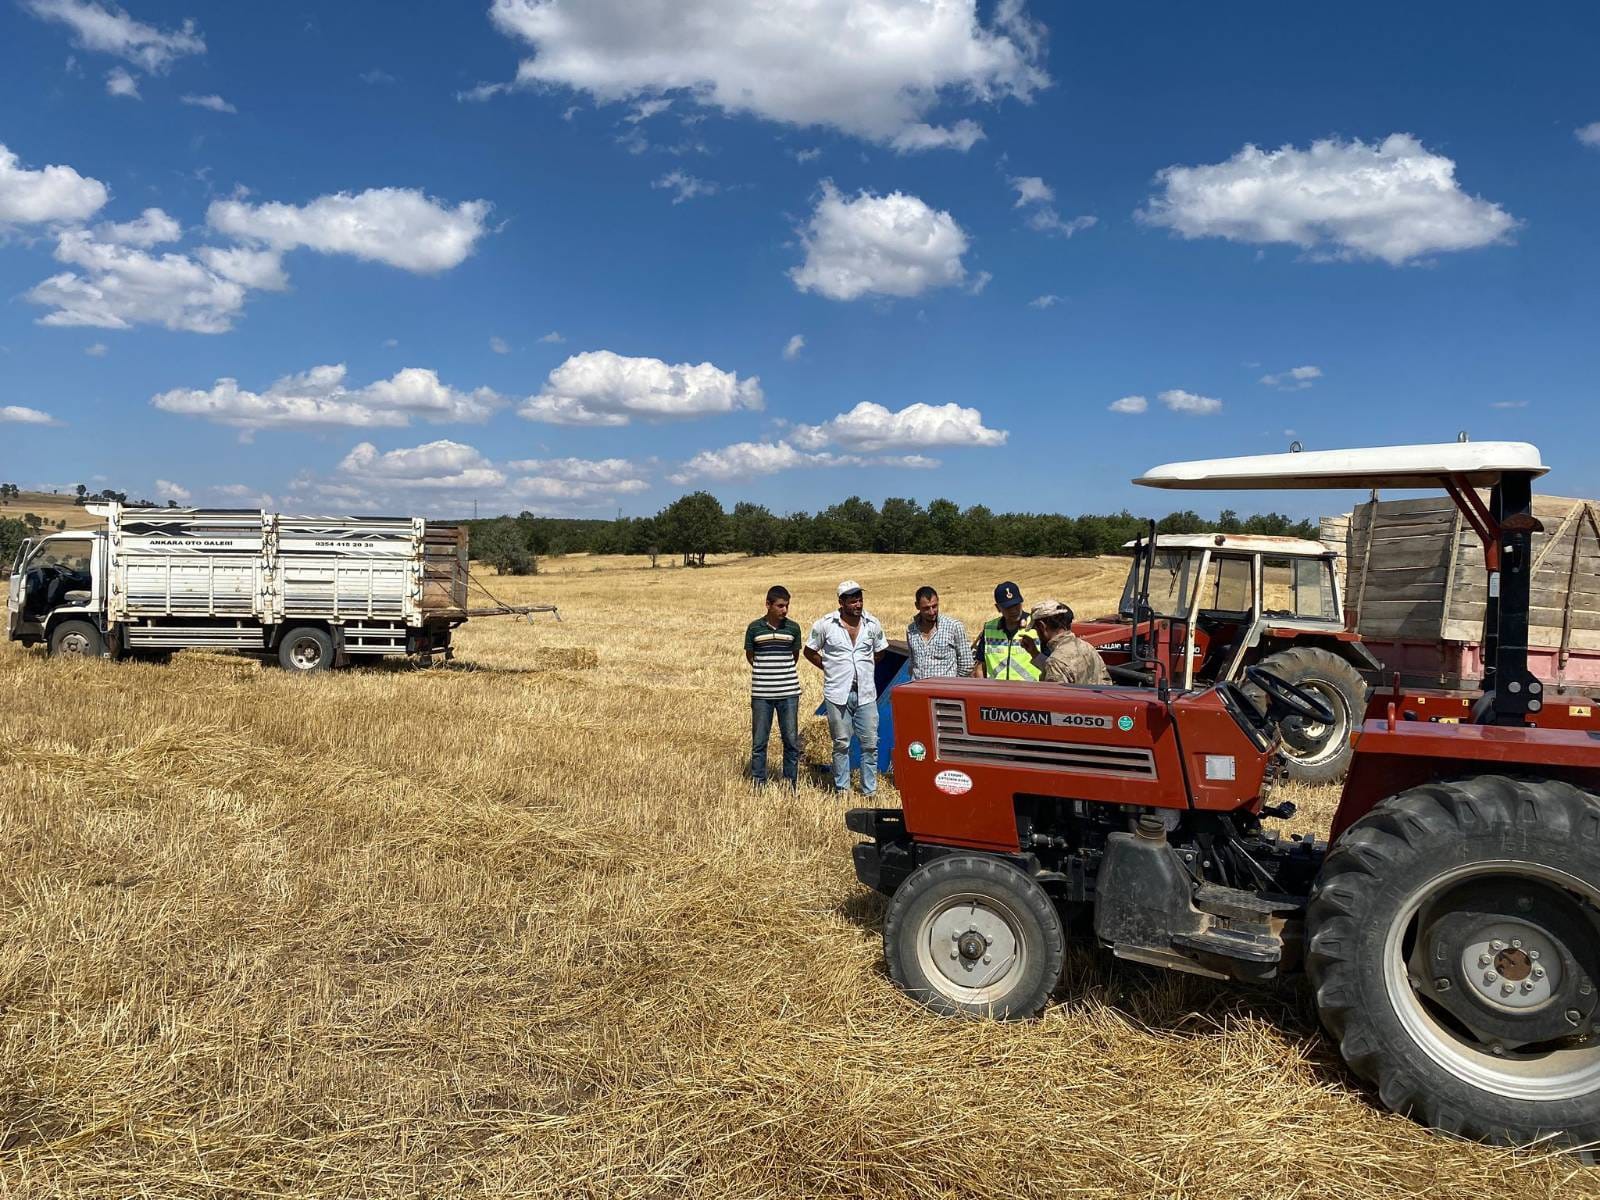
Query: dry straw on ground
[{"x": 522, "y": 930}]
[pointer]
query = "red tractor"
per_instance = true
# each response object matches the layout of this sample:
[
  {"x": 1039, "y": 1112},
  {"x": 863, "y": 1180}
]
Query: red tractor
[{"x": 1450, "y": 927}]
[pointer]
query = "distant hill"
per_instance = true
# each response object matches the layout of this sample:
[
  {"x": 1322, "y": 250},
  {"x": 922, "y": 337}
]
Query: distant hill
[{"x": 50, "y": 507}]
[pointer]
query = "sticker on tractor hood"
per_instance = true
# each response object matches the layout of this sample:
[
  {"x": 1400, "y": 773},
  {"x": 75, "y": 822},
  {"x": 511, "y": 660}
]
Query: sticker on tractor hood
[
  {"x": 1039, "y": 716},
  {"x": 953, "y": 783},
  {"x": 917, "y": 751}
]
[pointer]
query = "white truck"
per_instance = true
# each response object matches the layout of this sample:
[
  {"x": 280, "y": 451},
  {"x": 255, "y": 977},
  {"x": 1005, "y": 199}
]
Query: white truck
[{"x": 315, "y": 592}]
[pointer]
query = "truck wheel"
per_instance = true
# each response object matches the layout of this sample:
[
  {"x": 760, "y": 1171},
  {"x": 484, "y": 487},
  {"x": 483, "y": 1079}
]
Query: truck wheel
[
  {"x": 1454, "y": 936},
  {"x": 306, "y": 649},
  {"x": 1318, "y": 753},
  {"x": 970, "y": 935},
  {"x": 76, "y": 639}
]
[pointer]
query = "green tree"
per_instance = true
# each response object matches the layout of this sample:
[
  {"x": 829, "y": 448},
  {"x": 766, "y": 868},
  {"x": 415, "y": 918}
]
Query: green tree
[
  {"x": 12, "y": 534},
  {"x": 754, "y": 529},
  {"x": 503, "y": 545},
  {"x": 693, "y": 526},
  {"x": 1186, "y": 521},
  {"x": 899, "y": 525}
]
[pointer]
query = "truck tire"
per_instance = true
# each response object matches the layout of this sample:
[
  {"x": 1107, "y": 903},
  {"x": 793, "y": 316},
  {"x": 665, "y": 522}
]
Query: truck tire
[
  {"x": 1318, "y": 753},
  {"x": 1424, "y": 913},
  {"x": 76, "y": 639},
  {"x": 970, "y": 935},
  {"x": 306, "y": 649}
]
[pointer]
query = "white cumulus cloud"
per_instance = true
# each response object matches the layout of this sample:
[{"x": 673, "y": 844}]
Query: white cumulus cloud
[
  {"x": 1393, "y": 200},
  {"x": 792, "y": 348},
  {"x": 1180, "y": 401},
  {"x": 213, "y": 102},
  {"x": 1049, "y": 300},
  {"x": 54, "y": 193},
  {"x": 685, "y": 186},
  {"x": 1588, "y": 134},
  {"x": 499, "y": 345},
  {"x": 1295, "y": 379},
  {"x": 745, "y": 460},
  {"x": 167, "y": 490},
  {"x": 320, "y": 397},
  {"x": 599, "y": 387},
  {"x": 440, "y": 465},
  {"x": 870, "y": 427},
  {"x": 402, "y": 227},
  {"x": 108, "y": 29},
  {"x": 20, "y": 414},
  {"x": 120, "y": 82},
  {"x": 1129, "y": 404},
  {"x": 872, "y": 68},
  {"x": 119, "y": 286},
  {"x": 1031, "y": 189},
  {"x": 150, "y": 228},
  {"x": 870, "y": 245},
  {"x": 577, "y": 479}
]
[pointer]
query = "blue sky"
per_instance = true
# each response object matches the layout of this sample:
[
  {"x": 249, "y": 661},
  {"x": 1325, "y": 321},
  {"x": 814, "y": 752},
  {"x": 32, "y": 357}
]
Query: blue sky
[{"x": 562, "y": 250}]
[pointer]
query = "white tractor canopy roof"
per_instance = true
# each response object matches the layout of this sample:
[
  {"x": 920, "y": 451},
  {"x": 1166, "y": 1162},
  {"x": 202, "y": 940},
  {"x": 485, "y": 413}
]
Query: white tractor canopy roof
[
  {"x": 1475, "y": 464},
  {"x": 1245, "y": 543}
]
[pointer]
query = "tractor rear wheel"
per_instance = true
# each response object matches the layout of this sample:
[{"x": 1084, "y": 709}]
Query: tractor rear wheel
[
  {"x": 971, "y": 935},
  {"x": 1318, "y": 753},
  {"x": 1454, "y": 945}
]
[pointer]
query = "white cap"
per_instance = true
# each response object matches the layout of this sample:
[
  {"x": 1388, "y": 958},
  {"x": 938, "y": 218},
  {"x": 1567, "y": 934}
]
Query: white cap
[{"x": 848, "y": 586}]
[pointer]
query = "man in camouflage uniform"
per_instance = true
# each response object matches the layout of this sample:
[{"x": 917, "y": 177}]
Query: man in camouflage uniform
[{"x": 1067, "y": 658}]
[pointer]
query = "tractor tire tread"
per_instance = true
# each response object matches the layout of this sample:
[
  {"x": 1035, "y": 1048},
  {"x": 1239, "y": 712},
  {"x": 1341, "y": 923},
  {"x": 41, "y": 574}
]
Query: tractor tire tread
[
  {"x": 1403, "y": 830},
  {"x": 993, "y": 871},
  {"x": 1295, "y": 663}
]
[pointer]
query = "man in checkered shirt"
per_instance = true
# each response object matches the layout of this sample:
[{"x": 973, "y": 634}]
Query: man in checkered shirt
[{"x": 938, "y": 643}]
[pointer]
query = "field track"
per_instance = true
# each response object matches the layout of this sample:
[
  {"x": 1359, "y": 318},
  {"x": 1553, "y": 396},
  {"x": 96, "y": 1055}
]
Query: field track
[{"x": 517, "y": 927}]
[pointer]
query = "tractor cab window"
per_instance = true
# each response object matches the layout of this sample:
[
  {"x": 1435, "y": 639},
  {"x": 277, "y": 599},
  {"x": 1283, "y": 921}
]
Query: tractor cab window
[
  {"x": 1299, "y": 587},
  {"x": 1169, "y": 583},
  {"x": 1229, "y": 585},
  {"x": 22, "y": 556}
]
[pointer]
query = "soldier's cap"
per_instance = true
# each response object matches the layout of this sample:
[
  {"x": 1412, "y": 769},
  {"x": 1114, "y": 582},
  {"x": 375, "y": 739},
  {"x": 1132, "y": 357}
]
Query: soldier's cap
[
  {"x": 1048, "y": 610},
  {"x": 847, "y": 587},
  {"x": 1007, "y": 594}
]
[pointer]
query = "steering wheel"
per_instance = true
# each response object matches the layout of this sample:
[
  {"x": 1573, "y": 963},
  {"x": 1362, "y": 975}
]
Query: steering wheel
[{"x": 1290, "y": 698}]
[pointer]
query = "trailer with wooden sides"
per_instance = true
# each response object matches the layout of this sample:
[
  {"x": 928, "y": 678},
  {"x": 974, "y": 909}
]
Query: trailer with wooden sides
[{"x": 1418, "y": 594}]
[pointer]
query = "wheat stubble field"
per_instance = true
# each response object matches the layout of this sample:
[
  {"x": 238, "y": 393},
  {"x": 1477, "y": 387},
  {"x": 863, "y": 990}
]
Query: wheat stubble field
[{"x": 518, "y": 928}]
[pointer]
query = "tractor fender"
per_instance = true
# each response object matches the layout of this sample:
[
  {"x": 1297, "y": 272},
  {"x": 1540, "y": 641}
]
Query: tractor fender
[
  {"x": 1390, "y": 758},
  {"x": 1346, "y": 645}
]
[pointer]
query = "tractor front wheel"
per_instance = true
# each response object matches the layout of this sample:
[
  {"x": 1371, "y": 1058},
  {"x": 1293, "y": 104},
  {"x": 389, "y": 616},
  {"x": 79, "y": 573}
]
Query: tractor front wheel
[
  {"x": 1318, "y": 753},
  {"x": 1454, "y": 945},
  {"x": 971, "y": 935}
]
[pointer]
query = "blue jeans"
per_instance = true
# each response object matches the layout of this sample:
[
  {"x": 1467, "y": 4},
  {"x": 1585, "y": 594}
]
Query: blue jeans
[
  {"x": 787, "y": 710},
  {"x": 862, "y": 720}
]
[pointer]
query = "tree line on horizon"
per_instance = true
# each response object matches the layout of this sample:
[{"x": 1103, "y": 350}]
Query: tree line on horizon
[{"x": 696, "y": 525}]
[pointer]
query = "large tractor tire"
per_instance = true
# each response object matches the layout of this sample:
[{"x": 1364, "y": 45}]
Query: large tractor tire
[
  {"x": 1454, "y": 945},
  {"x": 1317, "y": 753},
  {"x": 970, "y": 935}
]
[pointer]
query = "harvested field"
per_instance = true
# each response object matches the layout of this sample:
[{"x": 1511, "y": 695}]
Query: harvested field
[{"x": 516, "y": 927}]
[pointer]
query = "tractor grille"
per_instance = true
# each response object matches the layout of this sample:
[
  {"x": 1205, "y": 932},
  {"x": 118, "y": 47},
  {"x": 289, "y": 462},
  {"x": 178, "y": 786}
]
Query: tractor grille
[{"x": 955, "y": 744}]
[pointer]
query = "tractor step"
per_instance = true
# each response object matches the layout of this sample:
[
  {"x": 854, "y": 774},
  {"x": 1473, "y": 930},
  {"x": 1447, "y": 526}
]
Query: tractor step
[
  {"x": 1232, "y": 943},
  {"x": 1238, "y": 905}
]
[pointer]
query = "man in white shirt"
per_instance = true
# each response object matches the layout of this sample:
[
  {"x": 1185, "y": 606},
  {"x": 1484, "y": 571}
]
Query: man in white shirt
[{"x": 845, "y": 647}]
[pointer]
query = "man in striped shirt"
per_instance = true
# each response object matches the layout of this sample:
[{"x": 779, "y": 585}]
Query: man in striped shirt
[
  {"x": 938, "y": 643},
  {"x": 771, "y": 647}
]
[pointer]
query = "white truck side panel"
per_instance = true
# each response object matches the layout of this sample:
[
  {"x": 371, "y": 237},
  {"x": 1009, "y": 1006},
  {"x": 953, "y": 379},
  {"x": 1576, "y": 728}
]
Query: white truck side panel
[{"x": 229, "y": 564}]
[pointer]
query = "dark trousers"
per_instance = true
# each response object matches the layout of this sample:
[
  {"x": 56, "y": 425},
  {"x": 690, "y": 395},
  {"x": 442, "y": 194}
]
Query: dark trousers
[{"x": 787, "y": 711}]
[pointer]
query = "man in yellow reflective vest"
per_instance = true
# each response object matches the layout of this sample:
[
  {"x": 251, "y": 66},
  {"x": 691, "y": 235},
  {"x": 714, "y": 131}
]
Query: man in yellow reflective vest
[{"x": 1007, "y": 647}]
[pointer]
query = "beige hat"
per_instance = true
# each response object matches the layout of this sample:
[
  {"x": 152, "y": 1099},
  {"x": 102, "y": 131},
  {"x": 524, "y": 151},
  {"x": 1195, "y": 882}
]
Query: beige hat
[
  {"x": 1046, "y": 609},
  {"x": 848, "y": 586}
]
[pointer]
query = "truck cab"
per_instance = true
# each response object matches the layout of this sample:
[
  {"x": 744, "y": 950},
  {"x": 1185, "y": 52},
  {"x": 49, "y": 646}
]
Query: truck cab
[{"x": 56, "y": 578}]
